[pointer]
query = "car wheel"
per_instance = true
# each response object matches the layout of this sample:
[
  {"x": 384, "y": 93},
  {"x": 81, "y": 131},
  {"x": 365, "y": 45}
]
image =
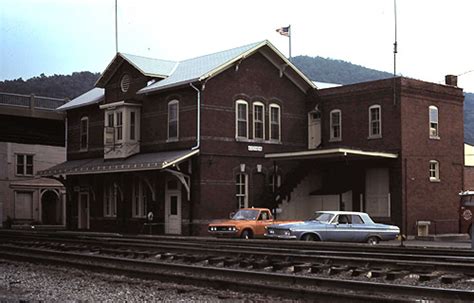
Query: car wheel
[
  {"x": 246, "y": 234},
  {"x": 308, "y": 237},
  {"x": 373, "y": 240}
]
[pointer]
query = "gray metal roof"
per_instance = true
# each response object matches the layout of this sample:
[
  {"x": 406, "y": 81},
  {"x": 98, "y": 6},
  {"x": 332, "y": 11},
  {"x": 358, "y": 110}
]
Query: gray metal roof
[
  {"x": 198, "y": 68},
  {"x": 95, "y": 95},
  {"x": 150, "y": 66},
  {"x": 138, "y": 162}
]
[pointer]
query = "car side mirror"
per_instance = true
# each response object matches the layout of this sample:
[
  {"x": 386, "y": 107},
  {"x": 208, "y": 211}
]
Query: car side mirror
[{"x": 231, "y": 215}]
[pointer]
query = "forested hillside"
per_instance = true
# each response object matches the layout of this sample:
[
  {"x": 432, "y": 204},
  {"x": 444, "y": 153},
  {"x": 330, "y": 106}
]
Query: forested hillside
[
  {"x": 336, "y": 71},
  {"x": 317, "y": 69},
  {"x": 57, "y": 86}
]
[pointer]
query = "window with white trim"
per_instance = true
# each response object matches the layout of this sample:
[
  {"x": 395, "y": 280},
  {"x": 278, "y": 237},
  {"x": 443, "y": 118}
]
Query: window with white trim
[
  {"x": 84, "y": 133},
  {"x": 118, "y": 126},
  {"x": 139, "y": 199},
  {"x": 274, "y": 182},
  {"x": 258, "y": 121},
  {"x": 110, "y": 200},
  {"x": 133, "y": 125},
  {"x": 24, "y": 165},
  {"x": 173, "y": 120},
  {"x": 375, "y": 121},
  {"x": 335, "y": 125},
  {"x": 433, "y": 112},
  {"x": 434, "y": 170},
  {"x": 241, "y": 119},
  {"x": 241, "y": 190},
  {"x": 275, "y": 122}
]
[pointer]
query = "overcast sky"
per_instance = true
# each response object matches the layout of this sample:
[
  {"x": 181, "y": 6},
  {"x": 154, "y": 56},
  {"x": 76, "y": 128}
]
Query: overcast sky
[{"x": 435, "y": 37}]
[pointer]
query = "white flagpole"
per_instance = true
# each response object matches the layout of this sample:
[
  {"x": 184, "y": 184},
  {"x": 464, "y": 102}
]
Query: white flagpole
[
  {"x": 289, "y": 41},
  {"x": 116, "y": 29},
  {"x": 395, "y": 44}
]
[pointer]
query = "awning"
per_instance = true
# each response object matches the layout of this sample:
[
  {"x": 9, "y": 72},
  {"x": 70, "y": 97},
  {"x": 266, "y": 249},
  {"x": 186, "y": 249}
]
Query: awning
[
  {"x": 138, "y": 162},
  {"x": 330, "y": 153},
  {"x": 36, "y": 183}
]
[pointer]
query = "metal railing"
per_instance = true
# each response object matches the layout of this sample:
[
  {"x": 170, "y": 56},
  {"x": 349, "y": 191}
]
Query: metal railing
[{"x": 31, "y": 101}]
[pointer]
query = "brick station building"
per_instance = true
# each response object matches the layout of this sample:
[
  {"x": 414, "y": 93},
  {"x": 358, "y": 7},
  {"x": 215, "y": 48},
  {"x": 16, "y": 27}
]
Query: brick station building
[{"x": 192, "y": 141}]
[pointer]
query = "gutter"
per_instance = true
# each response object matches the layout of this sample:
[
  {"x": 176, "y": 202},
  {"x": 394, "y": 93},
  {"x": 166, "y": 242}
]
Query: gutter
[{"x": 198, "y": 123}]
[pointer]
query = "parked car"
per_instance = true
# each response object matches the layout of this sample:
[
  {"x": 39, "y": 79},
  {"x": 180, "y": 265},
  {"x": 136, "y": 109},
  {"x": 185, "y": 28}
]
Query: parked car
[
  {"x": 246, "y": 223},
  {"x": 344, "y": 226}
]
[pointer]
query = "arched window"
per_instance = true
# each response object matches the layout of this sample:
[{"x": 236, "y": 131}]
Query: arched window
[
  {"x": 335, "y": 121},
  {"x": 275, "y": 123},
  {"x": 258, "y": 121},
  {"x": 433, "y": 112},
  {"x": 173, "y": 120},
  {"x": 241, "y": 119},
  {"x": 375, "y": 121}
]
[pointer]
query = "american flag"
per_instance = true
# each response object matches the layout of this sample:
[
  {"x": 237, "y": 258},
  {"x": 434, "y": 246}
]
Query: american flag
[{"x": 285, "y": 31}]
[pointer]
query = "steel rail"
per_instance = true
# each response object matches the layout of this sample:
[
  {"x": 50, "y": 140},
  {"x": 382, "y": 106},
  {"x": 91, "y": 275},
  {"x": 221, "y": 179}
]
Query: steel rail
[{"x": 361, "y": 291}]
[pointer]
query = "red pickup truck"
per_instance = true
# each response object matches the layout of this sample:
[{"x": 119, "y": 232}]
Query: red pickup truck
[{"x": 246, "y": 223}]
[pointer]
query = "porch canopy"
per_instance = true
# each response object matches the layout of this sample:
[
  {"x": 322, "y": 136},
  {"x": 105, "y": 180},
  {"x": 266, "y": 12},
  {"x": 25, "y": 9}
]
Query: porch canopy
[
  {"x": 138, "y": 162},
  {"x": 330, "y": 153}
]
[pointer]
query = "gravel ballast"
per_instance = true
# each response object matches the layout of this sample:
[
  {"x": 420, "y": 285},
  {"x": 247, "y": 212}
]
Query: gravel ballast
[{"x": 22, "y": 281}]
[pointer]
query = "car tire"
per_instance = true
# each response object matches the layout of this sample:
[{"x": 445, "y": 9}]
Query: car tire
[
  {"x": 373, "y": 240},
  {"x": 246, "y": 234},
  {"x": 309, "y": 237}
]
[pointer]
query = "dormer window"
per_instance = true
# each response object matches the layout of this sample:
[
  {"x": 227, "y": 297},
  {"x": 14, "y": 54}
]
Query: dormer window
[{"x": 125, "y": 83}]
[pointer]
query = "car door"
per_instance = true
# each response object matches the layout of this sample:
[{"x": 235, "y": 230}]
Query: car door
[
  {"x": 360, "y": 230},
  {"x": 343, "y": 229},
  {"x": 263, "y": 220}
]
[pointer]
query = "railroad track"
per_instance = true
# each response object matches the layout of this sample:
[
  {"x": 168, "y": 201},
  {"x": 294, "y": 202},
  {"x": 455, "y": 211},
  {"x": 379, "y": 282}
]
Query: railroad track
[{"x": 243, "y": 264}]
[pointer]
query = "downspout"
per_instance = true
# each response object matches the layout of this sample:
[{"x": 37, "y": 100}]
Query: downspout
[
  {"x": 198, "y": 123},
  {"x": 198, "y": 144}
]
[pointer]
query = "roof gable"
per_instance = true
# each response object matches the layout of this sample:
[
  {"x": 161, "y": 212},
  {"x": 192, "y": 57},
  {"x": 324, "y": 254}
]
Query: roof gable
[
  {"x": 150, "y": 67},
  {"x": 204, "y": 67}
]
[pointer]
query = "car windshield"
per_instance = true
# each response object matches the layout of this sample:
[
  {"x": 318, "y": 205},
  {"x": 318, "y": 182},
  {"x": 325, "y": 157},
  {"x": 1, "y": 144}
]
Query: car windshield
[
  {"x": 322, "y": 217},
  {"x": 246, "y": 214}
]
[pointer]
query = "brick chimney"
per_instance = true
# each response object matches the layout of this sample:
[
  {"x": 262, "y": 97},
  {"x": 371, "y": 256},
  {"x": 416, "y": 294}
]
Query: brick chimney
[{"x": 451, "y": 80}]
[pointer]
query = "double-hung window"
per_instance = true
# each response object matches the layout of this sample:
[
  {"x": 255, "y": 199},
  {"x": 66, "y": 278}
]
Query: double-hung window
[
  {"x": 241, "y": 190},
  {"x": 375, "y": 121},
  {"x": 84, "y": 133},
  {"x": 173, "y": 120},
  {"x": 110, "y": 200},
  {"x": 118, "y": 126},
  {"x": 434, "y": 170},
  {"x": 258, "y": 121},
  {"x": 139, "y": 199},
  {"x": 241, "y": 119},
  {"x": 275, "y": 123},
  {"x": 133, "y": 125},
  {"x": 24, "y": 165},
  {"x": 433, "y": 112},
  {"x": 335, "y": 125}
]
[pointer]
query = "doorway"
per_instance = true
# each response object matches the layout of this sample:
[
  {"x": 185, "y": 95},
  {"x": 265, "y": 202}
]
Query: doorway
[
  {"x": 173, "y": 207},
  {"x": 83, "y": 211}
]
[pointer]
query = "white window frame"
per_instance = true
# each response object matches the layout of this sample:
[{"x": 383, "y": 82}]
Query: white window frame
[
  {"x": 246, "y": 121},
  {"x": 373, "y": 135},
  {"x": 175, "y": 120},
  {"x": 241, "y": 185},
  {"x": 434, "y": 125},
  {"x": 86, "y": 134},
  {"x": 261, "y": 121},
  {"x": 434, "y": 171},
  {"x": 24, "y": 164},
  {"x": 333, "y": 124},
  {"x": 271, "y": 122},
  {"x": 132, "y": 126},
  {"x": 110, "y": 200},
  {"x": 119, "y": 127},
  {"x": 139, "y": 199}
]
